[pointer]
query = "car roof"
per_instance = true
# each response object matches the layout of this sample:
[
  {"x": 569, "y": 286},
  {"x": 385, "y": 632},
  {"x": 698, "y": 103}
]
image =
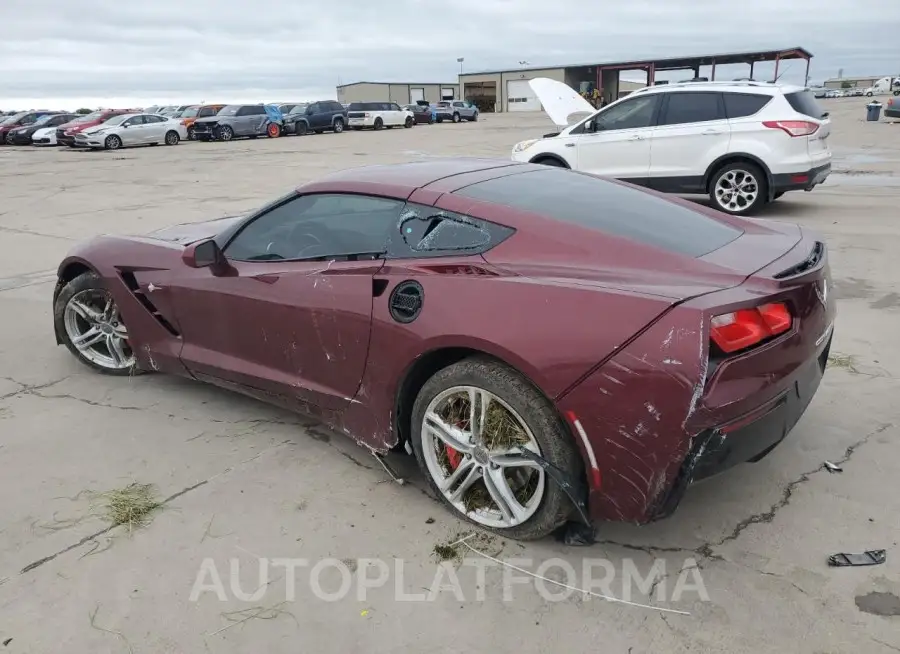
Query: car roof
[
  {"x": 404, "y": 178},
  {"x": 761, "y": 88}
]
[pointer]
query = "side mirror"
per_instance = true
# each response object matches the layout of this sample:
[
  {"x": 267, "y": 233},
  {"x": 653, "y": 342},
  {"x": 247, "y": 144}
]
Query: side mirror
[{"x": 204, "y": 254}]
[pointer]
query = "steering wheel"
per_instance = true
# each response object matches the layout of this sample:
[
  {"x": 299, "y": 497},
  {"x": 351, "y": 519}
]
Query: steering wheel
[{"x": 317, "y": 242}]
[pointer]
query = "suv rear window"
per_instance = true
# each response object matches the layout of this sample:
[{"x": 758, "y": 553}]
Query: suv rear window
[
  {"x": 606, "y": 206},
  {"x": 804, "y": 102},
  {"x": 739, "y": 105}
]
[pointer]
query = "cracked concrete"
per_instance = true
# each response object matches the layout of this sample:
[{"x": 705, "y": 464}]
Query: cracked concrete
[{"x": 243, "y": 480}]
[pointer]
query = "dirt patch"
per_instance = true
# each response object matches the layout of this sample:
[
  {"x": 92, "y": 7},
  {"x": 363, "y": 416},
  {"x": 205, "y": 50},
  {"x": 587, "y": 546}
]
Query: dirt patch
[{"x": 886, "y": 604}]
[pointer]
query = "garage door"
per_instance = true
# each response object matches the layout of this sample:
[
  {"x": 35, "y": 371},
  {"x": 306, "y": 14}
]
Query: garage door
[
  {"x": 416, "y": 94},
  {"x": 520, "y": 97}
]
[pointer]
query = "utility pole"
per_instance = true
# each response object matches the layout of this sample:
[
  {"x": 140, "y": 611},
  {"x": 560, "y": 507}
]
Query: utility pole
[{"x": 460, "y": 61}]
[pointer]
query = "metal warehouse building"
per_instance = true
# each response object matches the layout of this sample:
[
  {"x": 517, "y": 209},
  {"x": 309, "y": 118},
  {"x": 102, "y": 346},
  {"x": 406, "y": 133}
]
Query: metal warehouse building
[
  {"x": 401, "y": 93},
  {"x": 852, "y": 82},
  {"x": 508, "y": 90}
]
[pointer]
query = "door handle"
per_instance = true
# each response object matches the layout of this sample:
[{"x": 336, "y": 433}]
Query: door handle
[
  {"x": 636, "y": 137},
  {"x": 570, "y": 145},
  {"x": 710, "y": 132}
]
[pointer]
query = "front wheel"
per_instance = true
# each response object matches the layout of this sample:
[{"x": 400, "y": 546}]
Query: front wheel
[
  {"x": 112, "y": 142},
  {"x": 408, "y": 123},
  {"x": 738, "y": 188},
  {"x": 456, "y": 118},
  {"x": 192, "y": 134},
  {"x": 87, "y": 319},
  {"x": 226, "y": 133},
  {"x": 301, "y": 129},
  {"x": 470, "y": 423},
  {"x": 172, "y": 137},
  {"x": 475, "y": 117},
  {"x": 273, "y": 130},
  {"x": 338, "y": 126}
]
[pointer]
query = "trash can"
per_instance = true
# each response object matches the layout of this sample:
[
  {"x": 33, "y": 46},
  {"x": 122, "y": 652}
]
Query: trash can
[{"x": 873, "y": 111}]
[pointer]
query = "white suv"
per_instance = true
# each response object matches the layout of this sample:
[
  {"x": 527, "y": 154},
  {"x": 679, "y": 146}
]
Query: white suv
[
  {"x": 378, "y": 115},
  {"x": 743, "y": 143}
]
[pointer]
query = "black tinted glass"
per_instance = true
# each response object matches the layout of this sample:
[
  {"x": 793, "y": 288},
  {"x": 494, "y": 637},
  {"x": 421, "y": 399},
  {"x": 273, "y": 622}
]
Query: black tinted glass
[
  {"x": 692, "y": 108},
  {"x": 738, "y": 105},
  {"x": 804, "y": 102},
  {"x": 606, "y": 206}
]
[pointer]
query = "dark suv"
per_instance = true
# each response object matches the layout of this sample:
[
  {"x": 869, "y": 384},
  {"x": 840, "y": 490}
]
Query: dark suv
[
  {"x": 235, "y": 120},
  {"x": 316, "y": 117}
]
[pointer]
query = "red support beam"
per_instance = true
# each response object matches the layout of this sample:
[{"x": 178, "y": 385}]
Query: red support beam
[
  {"x": 712, "y": 77},
  {"x": 777, "y": 61},
  {"x": 806, "y": 80}
]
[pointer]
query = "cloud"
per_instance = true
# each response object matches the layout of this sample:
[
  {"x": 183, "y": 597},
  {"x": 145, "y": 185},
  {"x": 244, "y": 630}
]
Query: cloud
[{"x": 103, "y": 52}]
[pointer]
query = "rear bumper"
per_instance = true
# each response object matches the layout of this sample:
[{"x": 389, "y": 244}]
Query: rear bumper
[
  {"x": 892, "y": 113},
  {"x": 749, "y": 438},
  {"x": 805, "y": 180}
]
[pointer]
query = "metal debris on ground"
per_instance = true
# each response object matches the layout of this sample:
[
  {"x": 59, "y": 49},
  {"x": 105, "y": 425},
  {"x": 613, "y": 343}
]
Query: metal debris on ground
[
  {"x": 869, "y": 557},
  {"x": 393, "y": 475},
  {"x": 832, "y": 467}
]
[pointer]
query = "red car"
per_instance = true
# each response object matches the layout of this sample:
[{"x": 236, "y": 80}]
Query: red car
[
  {"x": 65, "y": 135},
  {"x": 551, "y": 345}
]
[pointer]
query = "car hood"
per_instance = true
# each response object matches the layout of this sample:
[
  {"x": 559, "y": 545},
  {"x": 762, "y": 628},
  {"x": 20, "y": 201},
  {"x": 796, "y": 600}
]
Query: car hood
[
  {"x": 561, "y": 102},
  {"x": 187, "y": 233}
]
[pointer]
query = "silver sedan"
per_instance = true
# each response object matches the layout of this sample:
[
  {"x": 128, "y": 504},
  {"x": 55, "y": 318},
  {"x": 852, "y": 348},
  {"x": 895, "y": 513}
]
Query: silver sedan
[{"x": 132, "y": 129}]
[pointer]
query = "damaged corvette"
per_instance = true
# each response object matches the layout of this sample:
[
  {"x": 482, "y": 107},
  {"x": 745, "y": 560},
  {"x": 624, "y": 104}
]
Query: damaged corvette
[{"x": 551, "y": 346}]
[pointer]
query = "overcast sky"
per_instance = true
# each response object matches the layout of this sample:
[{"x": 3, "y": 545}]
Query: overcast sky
[{"x": 73, "y": 53}]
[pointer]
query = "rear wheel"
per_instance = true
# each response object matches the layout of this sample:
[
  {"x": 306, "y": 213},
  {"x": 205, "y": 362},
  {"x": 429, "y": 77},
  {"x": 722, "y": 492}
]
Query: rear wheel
[
  {"x": 470, "y": 423},
  {"x": 738, "y": 188},
  {"x": 88, "y": 320},
  {"x": 456, "y": 117},
  {"x": 475, "y": 117},
  {"x": 379, "y": 123}
]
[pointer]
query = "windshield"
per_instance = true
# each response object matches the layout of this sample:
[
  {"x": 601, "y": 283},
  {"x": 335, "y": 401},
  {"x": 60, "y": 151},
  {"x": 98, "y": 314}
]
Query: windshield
[
  {"x": 116, "y": 120},
  {"x": 190, "y": 112},
  {"x": 14, "y": 118},
  {"x": 230, "y": 110},
  {"x": 96, "y": 115},
  {"x": 299, "y": 108}
]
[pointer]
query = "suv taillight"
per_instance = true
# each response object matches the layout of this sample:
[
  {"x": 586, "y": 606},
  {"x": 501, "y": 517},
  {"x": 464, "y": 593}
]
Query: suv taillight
[
  {"x": 747, "y": 327},
  {"x": 793, "y": 127}
]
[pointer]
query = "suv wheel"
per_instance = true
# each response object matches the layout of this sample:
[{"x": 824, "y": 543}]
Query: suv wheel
[
  {"x": 338, "y": 125},
  {"x": 456, "y": 118},
  {"x": 378, "y": 123},
  {"x": 738, "y": 188}
]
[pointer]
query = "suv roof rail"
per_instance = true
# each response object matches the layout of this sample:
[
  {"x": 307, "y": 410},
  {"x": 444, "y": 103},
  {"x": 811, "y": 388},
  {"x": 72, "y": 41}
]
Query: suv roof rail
[{"x": 692, "y": 83}]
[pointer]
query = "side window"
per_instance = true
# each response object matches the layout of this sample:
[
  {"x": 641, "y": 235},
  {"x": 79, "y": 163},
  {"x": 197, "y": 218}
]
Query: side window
[
  {"x": 257, "y": 110},
  {"x": 459, "y": 104},
  {"x": 136, "y": 120},
  {"x": 430, "y": 232},
  {"x": 319, "y": 226},
  {"x": 692, "y": 107},
  {"x": 148, "y": 118},
  {"x": 739, "y": 105},
  {"x": 243, "y": 111},
  {"x": 630, "y": 114},
  {"x": 335, "y": 106},
  {"x": 205, "y": 112},
  {"x": 28, "y": 120},
  {"x": 314, "y": 108}
]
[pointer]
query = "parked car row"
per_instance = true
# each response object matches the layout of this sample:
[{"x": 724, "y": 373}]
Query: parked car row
[{"x": 115, "y": 128}]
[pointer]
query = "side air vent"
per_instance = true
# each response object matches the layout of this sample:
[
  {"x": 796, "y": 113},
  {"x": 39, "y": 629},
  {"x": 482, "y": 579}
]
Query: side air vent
[
  {"x": 809, "y": 263},
  {"x": 135, "y": 288},
  {"x": 406, "y": 301}
]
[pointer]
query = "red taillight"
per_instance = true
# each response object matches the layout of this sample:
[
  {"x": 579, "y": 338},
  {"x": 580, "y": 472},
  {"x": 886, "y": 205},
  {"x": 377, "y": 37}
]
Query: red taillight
[
  {"x": 746, "y": 327},
  {"x": 793, "y": 127}
]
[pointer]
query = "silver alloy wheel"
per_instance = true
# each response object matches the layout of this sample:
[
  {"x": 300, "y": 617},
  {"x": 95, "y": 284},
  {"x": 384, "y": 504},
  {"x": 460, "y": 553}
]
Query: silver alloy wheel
[
  {"x": 471, "y": 443},
  {"x": 736, "y": 190},
  {"x": 171, "y": 138},
  {"x": 226, "y": 133},
  {"x": 94, "y": 326},
  {"x": 113, "y": 142}
]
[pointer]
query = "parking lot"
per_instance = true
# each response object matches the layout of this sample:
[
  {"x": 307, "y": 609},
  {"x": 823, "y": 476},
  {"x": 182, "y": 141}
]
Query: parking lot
[{"x": 241, "y": 481}]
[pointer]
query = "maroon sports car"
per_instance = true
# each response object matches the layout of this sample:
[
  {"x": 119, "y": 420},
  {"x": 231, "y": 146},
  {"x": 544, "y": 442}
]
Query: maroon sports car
[{"x": 550, "y": 344}]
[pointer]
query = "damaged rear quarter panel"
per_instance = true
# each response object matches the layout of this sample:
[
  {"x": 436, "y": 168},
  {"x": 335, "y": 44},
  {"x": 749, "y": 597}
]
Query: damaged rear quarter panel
[
  {"x": 634, "y": 410},
  {"x": 550, "y": 331}
]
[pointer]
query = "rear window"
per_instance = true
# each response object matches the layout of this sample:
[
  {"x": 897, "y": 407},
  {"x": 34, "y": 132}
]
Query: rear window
[
  {"x": 739, "y": 105},
  {"x": 587, "y": 201},
  {"x": 804, "y": 102}
]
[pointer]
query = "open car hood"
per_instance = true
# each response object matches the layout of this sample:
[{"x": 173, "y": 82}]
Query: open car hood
[{"x": 561, "y": 102}]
